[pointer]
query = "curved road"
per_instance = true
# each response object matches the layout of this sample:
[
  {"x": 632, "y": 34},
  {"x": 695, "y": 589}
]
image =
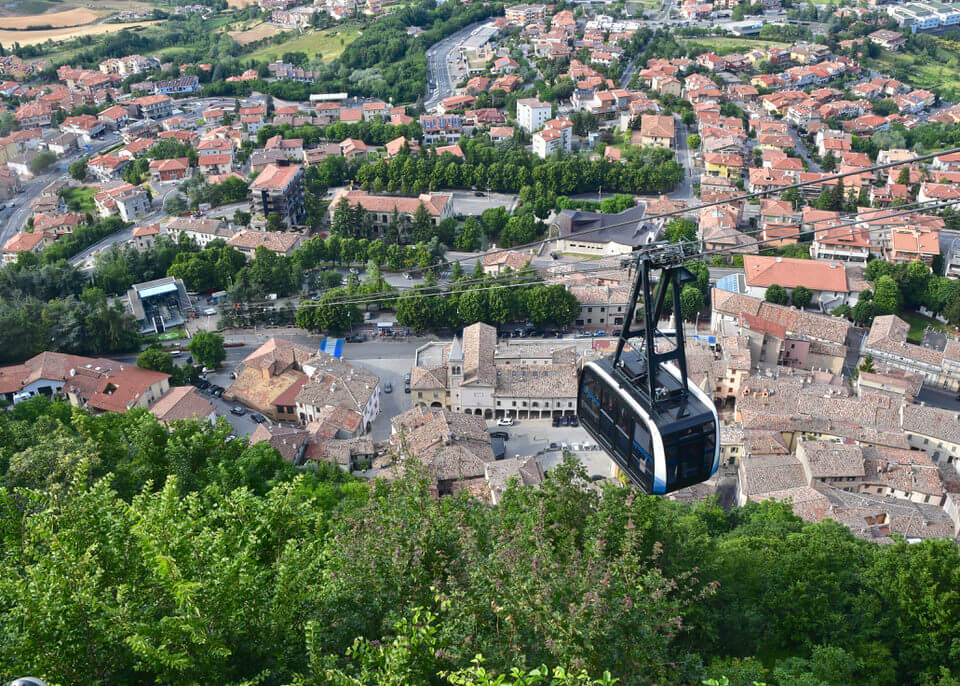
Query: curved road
[{"x": 440, "y": 82}]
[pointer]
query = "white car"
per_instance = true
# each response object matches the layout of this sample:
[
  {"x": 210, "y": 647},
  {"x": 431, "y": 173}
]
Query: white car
[{"x": 505, "y": 421}]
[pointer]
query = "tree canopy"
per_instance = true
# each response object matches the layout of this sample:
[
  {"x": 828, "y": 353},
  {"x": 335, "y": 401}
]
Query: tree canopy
[{"x": 182, "y": 555}]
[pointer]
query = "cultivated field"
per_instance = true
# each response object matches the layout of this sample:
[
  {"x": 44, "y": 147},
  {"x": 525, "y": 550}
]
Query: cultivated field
[
  {"x": 240, "y": 3},
  {"x": 253, "y": 35},
  {"x": 33, "y": 37},
  {"x": 74, "y": 17}
]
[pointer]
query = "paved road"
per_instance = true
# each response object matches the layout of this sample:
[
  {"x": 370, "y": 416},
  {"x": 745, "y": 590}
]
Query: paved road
[
  {"x": 441, "y": 77},
  {"x": 12, "y": 222},
  {"x": 801, "y": 148},
  {"x": 468, "y": 203},
  {"x": 938, "y": 398},
  {"x": 684, "y": 156}
]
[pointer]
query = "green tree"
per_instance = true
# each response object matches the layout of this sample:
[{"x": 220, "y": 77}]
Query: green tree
[
  {"x": 692, "y": 302},
  {"x": 175, "y": 205},
  {"x": 329, "y": 313},
  {"x": 275, "y": 222},
  {"x": 867, "y": 364},
  {"x": 777, "y": 294},
  {"x": 801, "y": 297},
  {"x": 207, "y": 349},
  {"x": 157, "y": 359},
  {"x": 680, "y": 230},
  {"x": 423, "y": 229},
  {"x": 886, "y": 298},
  {"x": 551, "y": 305},
  {"x": 78, "y": 169},
  {"x": 241, "y": 218},
  {"x": 42, "y": 162},
  {"x": 829, "y": 162},
  {"x": 693, "y": 141},
  {"x": 468, "y": 238}
]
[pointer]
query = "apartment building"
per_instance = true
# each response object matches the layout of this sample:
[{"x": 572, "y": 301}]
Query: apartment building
[{"x": 279, "y": 189}]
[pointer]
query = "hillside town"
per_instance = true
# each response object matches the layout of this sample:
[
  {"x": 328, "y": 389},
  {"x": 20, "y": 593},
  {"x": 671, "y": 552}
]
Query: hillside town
[{"x": 377, "y": 342}]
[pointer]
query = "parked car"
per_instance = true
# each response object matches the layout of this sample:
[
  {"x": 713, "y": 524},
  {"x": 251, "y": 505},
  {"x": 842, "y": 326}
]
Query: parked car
[
  {"x": 258, "y": 418},
  {"x": 388, "y": 387},
  {"x": 503, "y": 435},
  {"x": 556, "y": 421},
  {"x": 479, "y": 194},
  {"x": 505, "y": 421},
  {"x": 574, "y": 421},
  {"x": 564, "y": 420},
  {"x": 237, "y": 410},
  {"x": 406, "y": 377},
  {"x": 218, "y": 392},
  {"x": 406, "y": 387}
]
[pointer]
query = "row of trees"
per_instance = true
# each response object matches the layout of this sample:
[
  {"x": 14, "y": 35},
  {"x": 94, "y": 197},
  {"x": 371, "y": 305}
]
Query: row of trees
[
  {"x": 646, "y": 170},
  {"x": 370, "y": 132},
  {"x": 181, "y": 556}
]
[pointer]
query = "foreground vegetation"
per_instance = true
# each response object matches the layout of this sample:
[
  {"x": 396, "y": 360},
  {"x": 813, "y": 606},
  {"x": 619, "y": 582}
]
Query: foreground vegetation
[{"x": 137, "y": 556}]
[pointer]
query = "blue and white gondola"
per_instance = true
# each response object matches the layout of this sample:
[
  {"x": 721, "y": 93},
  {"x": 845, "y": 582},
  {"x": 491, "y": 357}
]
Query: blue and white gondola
[{"x": 661, "y": 449}]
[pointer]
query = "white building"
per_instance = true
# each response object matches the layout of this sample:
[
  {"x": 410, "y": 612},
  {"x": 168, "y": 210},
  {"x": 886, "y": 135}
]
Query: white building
[
  {"x": 532, "y": 114},
  {"x": 482, "y": 378}
]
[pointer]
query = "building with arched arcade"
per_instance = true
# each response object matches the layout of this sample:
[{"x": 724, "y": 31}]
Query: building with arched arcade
[{"x": 477, "y": 375}]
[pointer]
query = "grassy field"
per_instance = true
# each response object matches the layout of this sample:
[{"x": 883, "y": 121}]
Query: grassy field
[
  {"x": 941, "y": 75},
  {"x": 919, "y": 322},
  {"x": 34, "y": 37},
  {"x": 330, "y": 43},
  {"x": 240, "y": 4},
  {"x": 725, "y": 46},
  {"x": 80, "y": 197}
]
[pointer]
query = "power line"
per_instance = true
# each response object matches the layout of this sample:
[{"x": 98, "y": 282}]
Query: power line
[
  {"x": 695, "y": 208},
  {"x": 440, "y": 289},
  {"x": 701, "y": 206}
]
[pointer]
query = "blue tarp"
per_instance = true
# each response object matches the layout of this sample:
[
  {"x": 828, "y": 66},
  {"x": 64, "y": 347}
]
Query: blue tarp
[{"x": 332, "y": 346}]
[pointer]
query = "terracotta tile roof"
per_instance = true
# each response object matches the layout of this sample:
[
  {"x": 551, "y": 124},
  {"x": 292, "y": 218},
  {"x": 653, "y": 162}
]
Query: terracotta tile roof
[
  {"x": 763, "y": 271},
  {"x": 276, "y": 178},
  {"x": 280, "y": 242},
  {"x": 182, "y": 402},
  {"x": 656, "y": 126}
]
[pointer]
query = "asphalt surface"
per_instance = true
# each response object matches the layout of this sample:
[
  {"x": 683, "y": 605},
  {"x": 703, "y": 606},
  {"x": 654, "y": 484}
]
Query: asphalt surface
[
  {"x": 442, "y": 78},
  {"x": 13, "y": 221}
]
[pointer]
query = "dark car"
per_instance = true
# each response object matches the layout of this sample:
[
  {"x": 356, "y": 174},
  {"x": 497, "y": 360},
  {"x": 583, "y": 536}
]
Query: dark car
[
  {"x": 502, "y": 435},
  {"x": 406, "y": 377},
  {"x": 258, "y": 418},
  {"x": 406, "y": 388},
  {"x": 556, "y": 421},
  {"x": 574, "y": 421},
  {"x": 237, "y": 410},
  {"x": 479, "y": 194},
  {"x": 564, "y": 420},
  {"x": 218, "y": 393}
]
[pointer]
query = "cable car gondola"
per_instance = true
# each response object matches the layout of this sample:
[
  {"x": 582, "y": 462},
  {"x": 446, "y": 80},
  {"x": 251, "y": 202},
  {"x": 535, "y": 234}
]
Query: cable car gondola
[{"x": 660, "y": 430}]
